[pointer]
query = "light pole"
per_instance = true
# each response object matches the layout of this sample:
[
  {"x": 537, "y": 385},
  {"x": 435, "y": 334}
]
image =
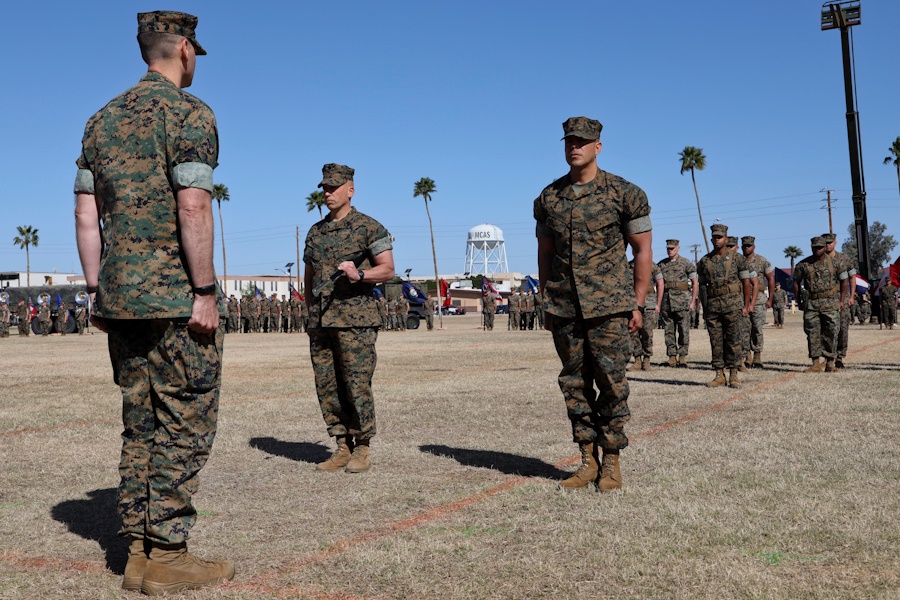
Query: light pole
[
  {"x": 843, "y": 16},
  {"x": 288, "y": 273}
]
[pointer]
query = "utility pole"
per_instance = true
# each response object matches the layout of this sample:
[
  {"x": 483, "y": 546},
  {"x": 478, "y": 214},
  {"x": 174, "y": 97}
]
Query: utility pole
[
  {"x": 843, "y": 16},
  {"x": 828, "y": 200},
  {"x": 695, "y": 248}
]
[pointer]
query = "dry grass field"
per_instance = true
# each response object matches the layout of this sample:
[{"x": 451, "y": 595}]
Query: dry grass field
[{"x": 787, "y": 488}]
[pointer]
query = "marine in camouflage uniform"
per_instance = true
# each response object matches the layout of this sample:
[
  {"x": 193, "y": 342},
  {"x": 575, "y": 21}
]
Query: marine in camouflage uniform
[
  {"x": 592, "y": 302},
  {"x": 679, "y": 299},
  {"x": 383, "y": 312},
  {"x": 44, "y": 318},
  {"x": 765, "y": 279},
  {"x": 528, "y": 321},
  {"x": 488, "y": 308},
  {"x": 393, "y": 314},
  {"x": 514, "y": 307},
  {"x": 294, "y": 308},
  {"x": 233, "y": 309},
  {"x": 779, "y": 299},
  {"x": 5, "y": 315},
  {"x": 732, "y": 246},
  {"x": 821, "y": 276},
  {"x": 889, "y": 304},
  {"x": 254, "y": 308},
  {"x": 539, "y": 310},
  {"x": 726, "y": 277},
  {"x": 344, "y": 320},
  {"x": 304, "y": 314},
  {"x": 642, "y": 339},
  {"x": 24, "y": 314},
  {"x": 865, "y": 308},
  {"x": 850, "y": 300},
  {"x": 430, "y": 306},
  {"x": 145, "y": 174},
  {"x": 402, "y": 311},
  {"x": 62, "y": 319}
]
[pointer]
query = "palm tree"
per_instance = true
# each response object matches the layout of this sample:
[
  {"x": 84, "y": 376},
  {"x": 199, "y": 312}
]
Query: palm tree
[
  {"x": 694, "y": 159},
  {"x": 425, "y": 187},
  {"x": 220, "y": 193},
  {"x": 895, "y": 151},
  {"x": 28, "y": 236},
  {"x": 793, "y": 253},
  {"x": 315, "y": 200}
]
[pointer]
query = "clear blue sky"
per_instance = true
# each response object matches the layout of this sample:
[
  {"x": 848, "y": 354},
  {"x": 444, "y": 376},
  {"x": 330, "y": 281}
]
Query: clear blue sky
[{"x": 472, "y": 95}]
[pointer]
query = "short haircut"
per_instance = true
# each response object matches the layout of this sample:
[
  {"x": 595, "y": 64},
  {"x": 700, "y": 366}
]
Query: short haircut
[{"x": 157, "y": 46}]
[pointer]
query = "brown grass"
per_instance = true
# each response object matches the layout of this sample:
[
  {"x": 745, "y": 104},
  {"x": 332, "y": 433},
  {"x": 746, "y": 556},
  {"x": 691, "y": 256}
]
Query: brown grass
[{"x": 787, "y": 488}]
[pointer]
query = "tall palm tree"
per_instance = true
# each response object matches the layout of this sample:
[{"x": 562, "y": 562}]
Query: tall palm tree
[
  {"x": 793, "y": 253},
  {"x": 895, "y": 151},
  {"x": 425, "y": 187},
  {"x": 28, "y": 236},
  {"x": 315, "y": 200},
  {"x": 693, "y": 159},
  {"x": 220, "y": 193}
]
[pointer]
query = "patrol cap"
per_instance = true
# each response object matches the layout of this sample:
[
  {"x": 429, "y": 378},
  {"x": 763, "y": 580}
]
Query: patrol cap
[
  {"x": 817, "y": 241},
  {"x": 732, "y": 241},
  {"x": 336, "y": 175},
  {"x": 582, "y": 127},
  {"x": 672, "y": 243},
  {"x": 170, "y": 21},
  {"x": 748, "y": 240},
  {"x": 719, "y": 229},
  {"x": 829, "y": 237}
]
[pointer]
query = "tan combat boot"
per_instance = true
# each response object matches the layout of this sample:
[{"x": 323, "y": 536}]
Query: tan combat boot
[
  {"x": 829, "y": 366},
  {"x": 136, "y": 565},
  {"x": 610, "y": 474},
  {"x": 817, "y": 367},
  {"x": 587, "y": 473},
  {"x": 646, "y": 366},
  {"x": 172, "y": 568},
  {"x": 757, "y": 360},
  {"x": 719, "y": 380},
  {"x": 733, "y": 381},
  {"x": 339, "y": 458},
  {"x": 682, "y": 361},
  {"x": 673, "y": 361},
  {"x": 359, "y": 461},
  {"x": 637, "y": 365}
]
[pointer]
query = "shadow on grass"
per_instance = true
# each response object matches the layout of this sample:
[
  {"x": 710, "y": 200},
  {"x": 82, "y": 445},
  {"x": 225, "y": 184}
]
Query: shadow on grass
[
  {"x": 297, "y": 451},
  {"x": 665, "y": 381},
  {"x": 95, "y": 519},
  {"x": 511, "y": 464}
]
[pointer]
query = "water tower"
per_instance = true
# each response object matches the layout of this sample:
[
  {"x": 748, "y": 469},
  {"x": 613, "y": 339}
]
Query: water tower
[{"x": 486, "y": 251}]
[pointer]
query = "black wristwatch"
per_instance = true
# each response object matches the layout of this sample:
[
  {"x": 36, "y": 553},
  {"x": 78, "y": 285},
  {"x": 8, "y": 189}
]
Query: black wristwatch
[
  {"x": 361, "y": 273},
  {"x": 93, "y": 289},
  {"x": 206, "y": 290},
  {"x": 641, "y": 309}
]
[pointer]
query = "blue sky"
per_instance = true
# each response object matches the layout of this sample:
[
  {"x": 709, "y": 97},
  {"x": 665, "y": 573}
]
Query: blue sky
[{"x": 472, "y": 95}]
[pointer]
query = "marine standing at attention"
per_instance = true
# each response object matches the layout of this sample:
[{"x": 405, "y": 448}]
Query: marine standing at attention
[
  {"x": 825, "y": 281},
  {"x": 344, "y": 319},
  {"x": 678, "y": 301},
  {"x": 592, "y": 302},
  {"x": 146, "y": 173}
]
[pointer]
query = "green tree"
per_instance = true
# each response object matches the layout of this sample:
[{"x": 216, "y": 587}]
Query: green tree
[
  {"x": 793, "y": 253},
  {"x": 315, "y": 200},
  {"x": 880, "y": 247},
  {"x": 28, "y": 236},
  {"x": 220, "y": 194},
  {"x": 894, "y": 157},
  {"x": 693, "y": 159},
  {"x": 425, "y": 187}
]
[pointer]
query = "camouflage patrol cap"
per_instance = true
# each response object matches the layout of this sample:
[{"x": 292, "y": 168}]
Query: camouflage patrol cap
[
  {"x": 336, "y": 175},
  {"x": 732, "y": 241},
  {"x": 672, "y": 243},
  {"x": 582, "y": 127},
  {"x": 817, "y": 241},
  {"x": 748, "y": 240},
  {"x": 719, "y": 229},
  {"x": 829, "y": 237},
  {"x": 170, "y": 21}
]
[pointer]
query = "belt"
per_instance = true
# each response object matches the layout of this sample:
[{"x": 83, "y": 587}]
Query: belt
[
  {"x": 678, "y": 285},
  {"x": 723, "y": 290}
]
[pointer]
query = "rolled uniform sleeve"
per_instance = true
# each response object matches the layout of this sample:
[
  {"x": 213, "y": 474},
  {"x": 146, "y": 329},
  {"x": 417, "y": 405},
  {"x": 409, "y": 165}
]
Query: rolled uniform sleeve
[{"x": 196, "y": 151}]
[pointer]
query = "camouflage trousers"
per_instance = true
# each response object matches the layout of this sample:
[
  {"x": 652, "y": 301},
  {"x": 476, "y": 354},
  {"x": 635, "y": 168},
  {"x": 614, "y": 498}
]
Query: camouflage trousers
[
  {"x": 678, "y": 332},
  {"x": 232, "y": 323},
  {"x": 4, "y": 329},
  {"x": 745, "y": 334},
  {"x": 429, "y": 320},
  {"x": 170, "y": 379},
  {"x": 594, "y": 351},
  {"x": 865, "y": 313},
  {"x": 489, "y": 320},
  {"x": 843, "y": 338},
  {"x": 724, "y": 330},
  {"x": 513, "y": 322},
  {"x": 46, "y": 326},
  {"x": 821, "y": 329},
  {"x": 343, "y": 362},
  {"x": 24, "y": 327},
  {"x": 888, "y": 314},
  {"x": 642, "y": 339},
  {"x": 757, "y": 321},
  {"x": 778, "y": 314}
]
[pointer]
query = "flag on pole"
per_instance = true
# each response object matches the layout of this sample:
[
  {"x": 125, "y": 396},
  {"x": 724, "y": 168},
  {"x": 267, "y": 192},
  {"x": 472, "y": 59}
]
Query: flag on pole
[
  {"x": 487, "y": 288},
  {"x": 531, "y": 284},
  {"x": 445, "y": 294},
  {"x": 862, "y": 286},
  {"x": 895, "y": 274},
  {"x": 258, "y": 294},
  {"x": 294, "y": 293}
]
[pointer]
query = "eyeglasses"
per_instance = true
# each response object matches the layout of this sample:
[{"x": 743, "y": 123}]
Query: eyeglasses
[{"x": 747, "y": 246}]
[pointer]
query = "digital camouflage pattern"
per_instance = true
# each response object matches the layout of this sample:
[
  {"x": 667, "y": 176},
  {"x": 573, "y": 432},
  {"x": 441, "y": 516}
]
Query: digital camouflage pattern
[
  {"x": 590, "y": 270},
  {"x": 80, "y": 318},
  {"x": 137, "y": 152},
  {"x": 757, "y": 319},
  {"x": 512, "y": 302},
  {"x": 592, "y": 352},
  {"x": 778, "y": 303},
  {"x": 343, "y": 362},
  {"x": 721, "y": 276},
  {"x": 843, "y": 341},
  {"x": 172, "y": 22},
  {"x": 24, "y": 315},
  {"x": 642, "y": 339},
  {"x": 821, "y": 318},
  {"x": 889, "y": 304},
  {"x": 430, "y": 307},
  {"x": 582, "y": 127},
  {"x": 336, "y": 175},
  {"x": 166, "y": 373},
  {"x": 678, "y": 274},
  {"x": 45, "y": 319},
  {"x": 488, "y": 308},
  {"x": 328, "y": 243},
  {"x": 5, "y": 315}
]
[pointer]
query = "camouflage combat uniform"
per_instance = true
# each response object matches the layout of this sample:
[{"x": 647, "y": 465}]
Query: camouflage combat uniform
[
  {"x": 845, "y": 264},
  {"x": 44, "y": 318},
  {"x": 778, "y": 302},
  {"x": 384, "y": 312},
  {"x": 343, "y": 323},
  {"x": 590, "y": 295},
  {"x": 514, "y": 304},
  {"x": 642, "y": 339},
  {"x": 62, "y": 320},
  {"x": 488, "y": 308},
  {"x": 233, "y": 309},
  {"x": 865, "y": 308},
  {"x": 722, "y": 277},
  {"x": 137, "y": 153},
  {"x": 679, "y": 274},
  {"x": 5, "y": 315},
  {"x": 80, "y": 318},
  {"x": 24, "y": 313},
  {"x": 889, "y": 304},
  {"x": 528, "y": 321},
  {"x": 762, "y": 267},
  {"x": 821, "y": 318},
  {"x": 430, "y": 306}
]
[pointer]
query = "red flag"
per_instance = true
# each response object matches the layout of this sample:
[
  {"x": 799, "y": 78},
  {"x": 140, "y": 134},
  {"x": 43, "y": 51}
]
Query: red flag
[
  {"x": 445, "y": 294},
  {"x": 294, "y": 293},
  {"x": 895, "y": 273}
]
